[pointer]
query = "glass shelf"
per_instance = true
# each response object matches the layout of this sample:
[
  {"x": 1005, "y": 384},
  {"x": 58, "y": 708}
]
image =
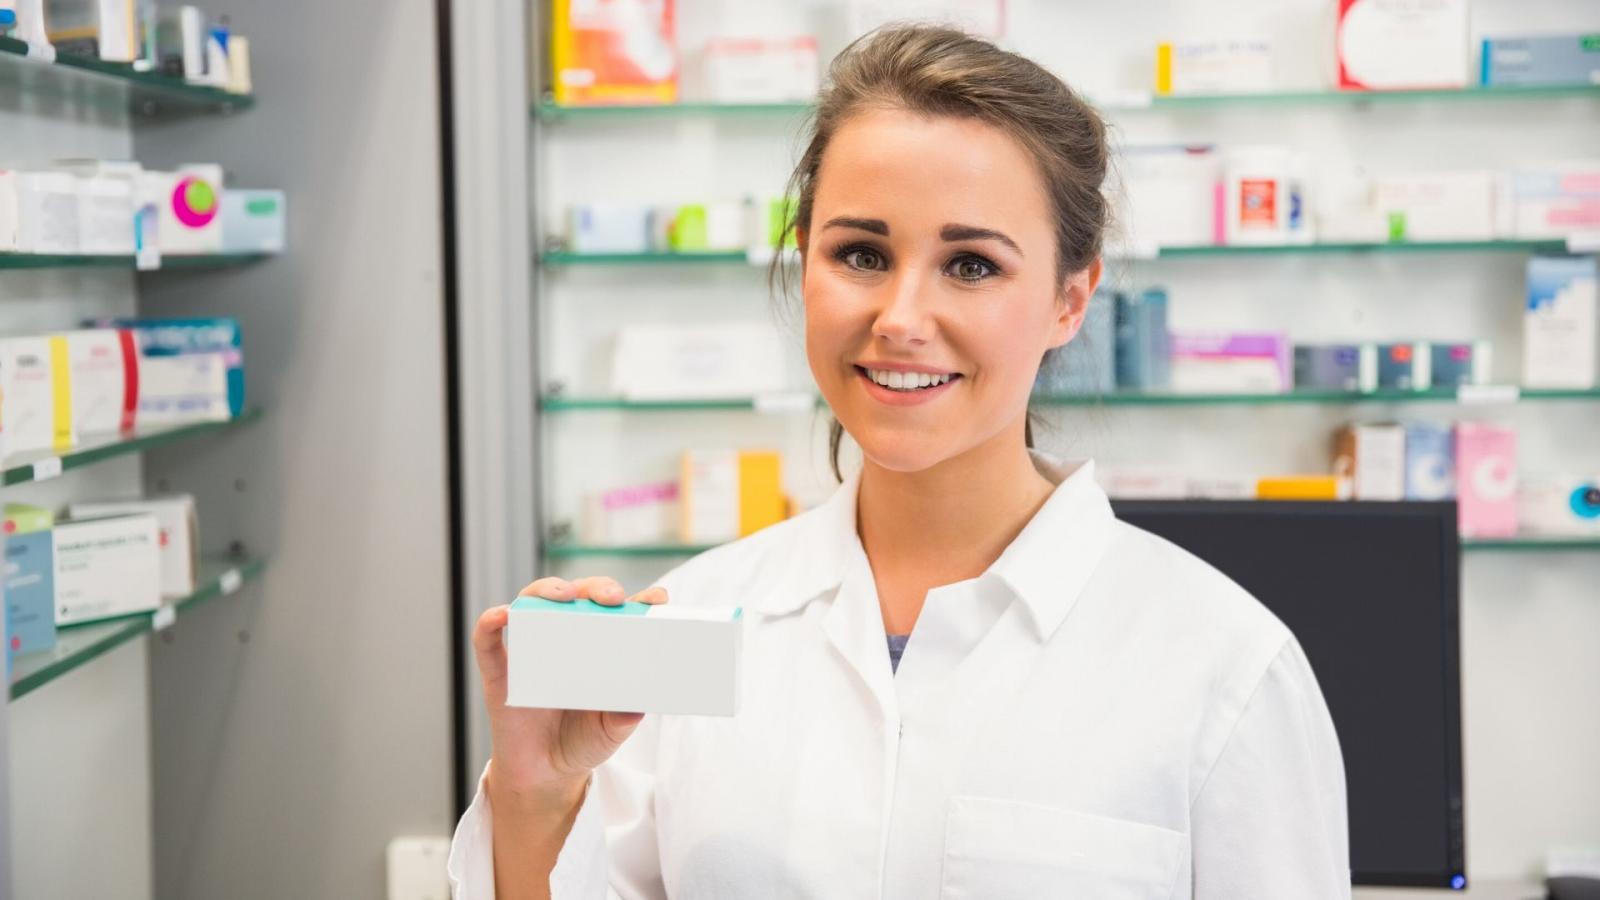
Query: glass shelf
[
  {"x": 148, "y": 95},
  {"x": 1485, "y": 395},
  {"x": 1131, "y": 101},
  {"x": 79, "y": 644},
  {"x": 1532, "y": 544},
  {"x": 43, "y": 465},
  {"x": 550, "y": 111},
  {"x": 708, "y": 257},
  {"x": 741, "y": 258},
  {"x": 642, "y": 551},
  {"x": 77, "y": 261}
]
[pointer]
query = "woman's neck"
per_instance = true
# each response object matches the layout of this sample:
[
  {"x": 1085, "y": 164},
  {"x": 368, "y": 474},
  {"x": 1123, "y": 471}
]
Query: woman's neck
[{"x": 944, "y": 524}]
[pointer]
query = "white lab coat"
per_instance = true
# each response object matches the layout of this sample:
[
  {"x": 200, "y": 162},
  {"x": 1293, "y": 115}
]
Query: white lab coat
[{"x": 1100, "y": 715}]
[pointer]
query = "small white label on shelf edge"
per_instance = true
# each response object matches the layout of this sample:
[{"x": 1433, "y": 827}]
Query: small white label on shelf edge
[
  {"x": 163, "y": 618},
  {"x": 46, "y": 469},
  {"x": 785, "y": 402},
  {"x": 230, "y": 581},
  {"x": 41, "y": 52},
  {"x": 1486, "y": 394},
  {"x": 1584, "y": 242}
]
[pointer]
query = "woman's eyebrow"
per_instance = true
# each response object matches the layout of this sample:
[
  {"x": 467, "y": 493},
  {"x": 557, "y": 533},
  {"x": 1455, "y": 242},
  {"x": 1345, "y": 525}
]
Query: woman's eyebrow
[
  {"x": 876, "y": 226},
  {"x": 974, "y": 233}
]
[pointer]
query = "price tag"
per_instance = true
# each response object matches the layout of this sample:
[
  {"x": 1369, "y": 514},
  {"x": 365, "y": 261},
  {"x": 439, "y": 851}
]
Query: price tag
[
  {"x": 41, "y": 52},
  {"x": 1584, "y": 242},
  {"x": 784, "y": 402},
  {"x": 1488, "y": 394},
  {"x": 230, "y": 581},
  {"x": 164, "y": 618},
  {"x": 46, "y": 469}
]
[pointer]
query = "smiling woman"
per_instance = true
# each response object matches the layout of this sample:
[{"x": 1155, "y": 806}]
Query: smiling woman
[
  {"x": 962, "y": 677},
  {"x": 937, "y": 154}
]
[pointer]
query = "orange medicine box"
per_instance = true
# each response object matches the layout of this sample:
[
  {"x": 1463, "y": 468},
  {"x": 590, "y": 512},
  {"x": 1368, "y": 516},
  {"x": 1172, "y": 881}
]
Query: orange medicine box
[{"x": 614, "y": 52}]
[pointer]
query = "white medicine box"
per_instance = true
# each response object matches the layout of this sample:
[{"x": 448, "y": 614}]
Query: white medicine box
[{"x": 636, "y": 657}]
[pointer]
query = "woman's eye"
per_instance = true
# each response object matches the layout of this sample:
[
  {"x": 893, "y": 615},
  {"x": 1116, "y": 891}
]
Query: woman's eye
[
  {"x": 863, "y": 258},
  {"x": 971, "y": 268}
]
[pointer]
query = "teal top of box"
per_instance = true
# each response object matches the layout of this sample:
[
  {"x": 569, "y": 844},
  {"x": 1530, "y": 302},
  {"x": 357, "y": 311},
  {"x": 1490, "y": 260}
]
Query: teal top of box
[
  {"x": 586, "y": 606},
  {"x": 627, "y": 608}
]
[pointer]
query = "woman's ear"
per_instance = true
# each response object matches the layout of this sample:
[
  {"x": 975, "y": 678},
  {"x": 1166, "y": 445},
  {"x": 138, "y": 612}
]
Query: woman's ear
[{"x": 1076, "y": 292}]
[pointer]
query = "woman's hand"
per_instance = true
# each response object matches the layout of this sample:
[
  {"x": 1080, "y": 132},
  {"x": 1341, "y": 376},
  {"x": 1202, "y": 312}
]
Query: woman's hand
[{"x": 542, "y": 758}]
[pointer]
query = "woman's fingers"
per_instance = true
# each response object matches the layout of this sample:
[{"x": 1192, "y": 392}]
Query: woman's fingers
[
  {"x": 488, "y": 642},
  {"x": 653, "y": 595},
  {"x": 550, "y": 589},
  {"x": 600, "y": 589}
]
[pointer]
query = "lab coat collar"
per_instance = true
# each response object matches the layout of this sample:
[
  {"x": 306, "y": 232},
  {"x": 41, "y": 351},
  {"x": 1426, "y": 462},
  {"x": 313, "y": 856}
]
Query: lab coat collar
[{"x": 1046, "y": 566}]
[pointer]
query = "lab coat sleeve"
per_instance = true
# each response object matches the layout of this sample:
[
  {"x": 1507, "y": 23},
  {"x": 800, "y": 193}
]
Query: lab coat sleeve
[
  {"x": 1269, "y": 820},
  {"x": 611, "y": 852}
]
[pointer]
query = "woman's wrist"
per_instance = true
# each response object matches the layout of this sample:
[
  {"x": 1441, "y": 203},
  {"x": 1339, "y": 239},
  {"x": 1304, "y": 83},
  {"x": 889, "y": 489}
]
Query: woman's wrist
[{"x": 553, "y": 802}]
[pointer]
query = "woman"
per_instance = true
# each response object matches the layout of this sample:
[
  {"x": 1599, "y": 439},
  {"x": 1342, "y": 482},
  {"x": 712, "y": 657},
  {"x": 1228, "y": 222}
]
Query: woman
[{"x": 1086, "y": 711}]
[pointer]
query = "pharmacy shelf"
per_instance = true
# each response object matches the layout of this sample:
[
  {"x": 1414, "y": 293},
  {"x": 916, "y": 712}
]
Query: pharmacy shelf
[
  {"x": 77, "y": 645},
  {"x": 663, "y": 551},
  {"x": 558, "y": 258},
  {"x": 40, "y": 466},
  {"x": 551, "y": 111},
  {"x": 1477, "y": 395},
  {"x": 148, "y": 95},
  {"x": 1136, "y": 101},
  {"x": 77, "y": 261},
  {"x": 1532, "y": 544},
  {"x": 1133, "y": 101},
  {"x": 697, "y": 258}
]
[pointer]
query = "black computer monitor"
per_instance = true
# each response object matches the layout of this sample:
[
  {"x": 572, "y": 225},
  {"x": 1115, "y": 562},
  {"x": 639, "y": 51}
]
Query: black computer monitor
[{"x": 1372, "y": 592}]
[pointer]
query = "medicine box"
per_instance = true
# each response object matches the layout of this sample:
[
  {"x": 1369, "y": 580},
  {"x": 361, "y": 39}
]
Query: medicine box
[
  {"x": 106, "y": 192},
  {"x": 1560, "y": 506},
  {"x": 105, "y": 380},
  {"x": 1405, "y": 366},
  {"x": 1086, "y": 364},
  {"x": 1559, "y": 327},
  {"x": 36, "y": 393},
  {"x": 636, "y": 657},
  {"x": 1457, "y": 364},
  {"x": 1438, "y": 206},
  {"x": 38, "y": 212},
  {"x": 638, "y": 514},
  {"x": 616, "y": 51},
  {"x": 1336, "y": 367},
  {"x": 1237, "y": 64},
  {"x": 29, "y": 584},
  {"x": 190, "y": 369},
  {"x": 1430, "y": 462},
  {"x": 1231, "y": 363},
  {"x": 1549, "y": 59},
  {"x": 700, "y": 362},
  {"x": 761, "y": 70},
  {"x": 1402, "y": 44},
  {"x": 1486, "y": 480},
  {"x": 188, "y": 203},
  {"x": 106, "y": 568},
  {"x": 1373, "y": 457},
  {"x": 254, "y": 221},
  {"x": 729, "y": 494},
  {"x": 179, "y": 538},
  {"x": 1143, "y": 356},
  {"x": 1552, "y": 201}
]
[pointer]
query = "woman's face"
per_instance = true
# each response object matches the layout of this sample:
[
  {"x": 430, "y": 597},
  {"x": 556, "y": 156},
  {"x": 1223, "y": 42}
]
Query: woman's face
[{"x": 930, "y": 285}]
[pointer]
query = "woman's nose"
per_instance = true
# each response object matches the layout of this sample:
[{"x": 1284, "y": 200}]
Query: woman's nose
[{"x": 903, "y": 315}]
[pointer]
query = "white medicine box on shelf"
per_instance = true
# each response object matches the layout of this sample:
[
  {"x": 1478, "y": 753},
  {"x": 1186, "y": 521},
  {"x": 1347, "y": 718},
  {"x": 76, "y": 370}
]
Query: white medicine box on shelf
[{"x": 698, "y": 362}]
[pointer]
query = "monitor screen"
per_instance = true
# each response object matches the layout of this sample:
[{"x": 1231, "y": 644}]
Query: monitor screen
[{"x": 1372, "y": 592}]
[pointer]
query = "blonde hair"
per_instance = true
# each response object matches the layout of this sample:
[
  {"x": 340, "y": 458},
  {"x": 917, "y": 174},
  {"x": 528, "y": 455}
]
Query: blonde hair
[{"x": 937, "y": 71}]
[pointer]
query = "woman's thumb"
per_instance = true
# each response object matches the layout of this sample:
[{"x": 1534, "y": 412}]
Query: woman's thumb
[{"x": 617, "y": 726}]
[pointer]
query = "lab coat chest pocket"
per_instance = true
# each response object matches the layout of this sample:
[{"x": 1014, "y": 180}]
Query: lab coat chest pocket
[{"x": 1009, "y": 850}]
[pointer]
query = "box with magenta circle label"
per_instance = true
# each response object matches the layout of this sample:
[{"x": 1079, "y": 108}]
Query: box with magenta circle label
[{"x": 635, "y": 657}]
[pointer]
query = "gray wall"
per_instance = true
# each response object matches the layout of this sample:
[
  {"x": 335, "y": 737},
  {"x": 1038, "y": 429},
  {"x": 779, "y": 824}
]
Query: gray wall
[{"x": 294, "y": 733}]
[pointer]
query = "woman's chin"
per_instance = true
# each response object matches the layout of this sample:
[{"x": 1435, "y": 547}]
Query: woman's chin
[{"x": 903, "y": 455}]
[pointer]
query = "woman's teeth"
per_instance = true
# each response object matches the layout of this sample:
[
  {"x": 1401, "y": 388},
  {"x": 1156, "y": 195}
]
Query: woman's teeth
[{"x": 906, "y": 381}]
